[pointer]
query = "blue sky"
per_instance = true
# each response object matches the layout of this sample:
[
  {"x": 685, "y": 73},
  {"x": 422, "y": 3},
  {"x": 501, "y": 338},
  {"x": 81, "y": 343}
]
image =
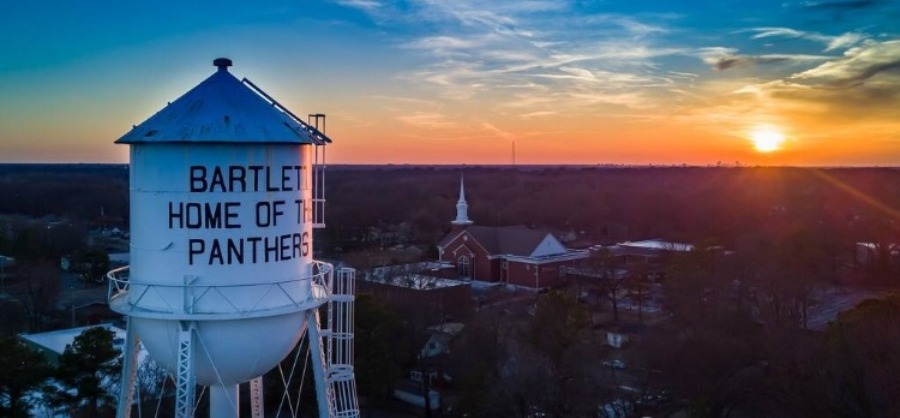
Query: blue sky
[{"x": 458, "y": 81}]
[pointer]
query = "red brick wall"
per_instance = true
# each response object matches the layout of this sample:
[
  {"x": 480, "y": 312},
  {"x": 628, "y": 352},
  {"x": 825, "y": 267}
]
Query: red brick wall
[
  {"x": 482, "y": 267},
  {"x": 522, "y": 274},
  {"x": 485, "y": 269},
  {"x": 453, "y": 303}
]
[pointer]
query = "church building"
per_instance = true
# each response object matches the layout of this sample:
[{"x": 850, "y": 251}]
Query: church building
[{"x": 515, "y": 255}]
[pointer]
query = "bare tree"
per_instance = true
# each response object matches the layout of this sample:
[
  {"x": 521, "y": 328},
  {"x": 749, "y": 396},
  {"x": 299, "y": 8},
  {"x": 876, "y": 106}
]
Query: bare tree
[
  {"x": 40, "y": 291},
  {"x": 609, "y": 268},
  {"x": 150, "y": 379}
]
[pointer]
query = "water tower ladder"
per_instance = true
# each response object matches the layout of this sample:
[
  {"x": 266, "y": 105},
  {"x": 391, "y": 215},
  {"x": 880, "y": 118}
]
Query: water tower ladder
[
  {"x": 341, "y": 380},
  {"x": 317, "y": 121}
]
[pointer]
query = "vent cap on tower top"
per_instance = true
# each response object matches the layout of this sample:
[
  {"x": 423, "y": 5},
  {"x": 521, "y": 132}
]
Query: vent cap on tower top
[{"x": 222, "y": 63}]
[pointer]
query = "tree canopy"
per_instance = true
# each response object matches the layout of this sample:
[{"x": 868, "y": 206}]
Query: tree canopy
[
  {"x": 88, "y": 369},
  {"x": 22, "y": 371}
]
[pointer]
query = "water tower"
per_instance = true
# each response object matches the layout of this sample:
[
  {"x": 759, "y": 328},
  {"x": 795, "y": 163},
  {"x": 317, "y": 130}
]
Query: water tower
[{"x": 225, "y": 189}]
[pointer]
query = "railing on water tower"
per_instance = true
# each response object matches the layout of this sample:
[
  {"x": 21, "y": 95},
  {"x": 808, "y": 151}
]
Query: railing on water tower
[{"x": 235, "y": 303}]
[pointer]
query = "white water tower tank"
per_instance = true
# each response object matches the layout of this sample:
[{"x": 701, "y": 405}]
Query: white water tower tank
[{"x": 221, "y": 229}]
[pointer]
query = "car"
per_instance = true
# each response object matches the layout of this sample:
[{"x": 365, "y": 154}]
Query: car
[{"x": 614, "y": 364}]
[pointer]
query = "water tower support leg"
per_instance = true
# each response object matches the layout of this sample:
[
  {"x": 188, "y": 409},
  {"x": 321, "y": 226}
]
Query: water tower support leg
[
  {"x": 224, "y": 401},
  {"x": 184, "y": 375},
  {"x": 256, "y": 397},
  {"x": 323, "y": 397},
  {"x": 129, "y": 372}
]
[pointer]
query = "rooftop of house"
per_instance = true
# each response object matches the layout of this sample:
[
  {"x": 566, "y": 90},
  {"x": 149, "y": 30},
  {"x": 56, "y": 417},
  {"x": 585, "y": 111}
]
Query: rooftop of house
[
  {"x": 415, "y": 281},
  {"x": 658, "y": 244}
]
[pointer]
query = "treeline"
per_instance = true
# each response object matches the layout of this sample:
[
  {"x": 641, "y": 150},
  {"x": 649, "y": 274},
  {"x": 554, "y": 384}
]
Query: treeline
[
  {"x": 377, "y": 205},
  {"x": 85, "y": 192},
  {"x": 716, "y": 206}
]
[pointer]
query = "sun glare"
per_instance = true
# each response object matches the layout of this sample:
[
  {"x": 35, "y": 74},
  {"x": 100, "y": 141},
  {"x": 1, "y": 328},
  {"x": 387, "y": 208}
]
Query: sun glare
[{"x": 766, "y": 139}]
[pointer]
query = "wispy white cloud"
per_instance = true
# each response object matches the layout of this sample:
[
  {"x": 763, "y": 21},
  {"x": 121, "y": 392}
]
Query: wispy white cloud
[
  {"x": 861, "y": 86},
  {"x": 427, "y": 120},
  {"x": 442, "y": 43},
  {"x": 495, "y": 131},
  {"x": 510, "y": 49},
  {"x": 541, "y": 113},
  {"x": 721, "y": 58},
  {"x": 859, "y": 65},
  {"x": 832, "y": 43},
  {"x": 535, "y": 59},
  {"x": 365, "y": 5}
]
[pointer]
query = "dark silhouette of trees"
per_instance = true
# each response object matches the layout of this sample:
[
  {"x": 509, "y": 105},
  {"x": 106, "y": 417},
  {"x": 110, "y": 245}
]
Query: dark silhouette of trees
[
  {"x": 91, "y": 264},
  {"x": 526, "y": 365},
  {"x": 34, "y": 241},
  {"x": 40, "y": 288},
  {"x": 90, "y": 192},
  {"x": 610, "y": 274},
  {"x": 479, "y": 363},
  {"x": 22, "y": 371},
  {"x": 696, "y": 290},
  {"x": 862, "y": 374},
  {"x": 88, "y": 369},
  {"x": 13, "y": 318},
  {"x": 379, "y": 364}
]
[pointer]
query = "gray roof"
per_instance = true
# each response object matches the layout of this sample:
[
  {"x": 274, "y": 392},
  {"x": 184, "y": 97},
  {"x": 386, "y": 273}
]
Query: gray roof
[
  {"x": 509, "y": 240},
  {"x": 224, "y": 109}
]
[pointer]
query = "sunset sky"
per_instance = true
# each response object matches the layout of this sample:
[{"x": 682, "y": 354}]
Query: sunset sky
[{"x": 445, "y": 81}]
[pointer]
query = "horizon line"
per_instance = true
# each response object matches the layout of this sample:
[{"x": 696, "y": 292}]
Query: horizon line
[{"x": 512, "y": 166}]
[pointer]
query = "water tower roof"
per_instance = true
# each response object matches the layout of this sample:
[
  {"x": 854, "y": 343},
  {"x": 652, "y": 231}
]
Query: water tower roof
[{"x": 224, "y": 109}]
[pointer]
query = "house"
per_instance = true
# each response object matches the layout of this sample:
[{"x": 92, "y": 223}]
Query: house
[
  {"x": 619, "y": 335},
  {"x": 430, "y": 376},
  {"x": 515, "y": 255}
]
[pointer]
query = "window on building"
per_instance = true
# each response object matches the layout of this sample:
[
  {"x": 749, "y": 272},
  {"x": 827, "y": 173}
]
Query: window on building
[{"x": 463, "y": 266}]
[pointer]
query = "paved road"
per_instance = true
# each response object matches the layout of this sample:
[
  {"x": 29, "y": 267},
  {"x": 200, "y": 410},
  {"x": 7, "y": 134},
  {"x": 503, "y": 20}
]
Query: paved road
[
  {"x": 836, "y": 300},
  {"x": 75, "y": 291}
]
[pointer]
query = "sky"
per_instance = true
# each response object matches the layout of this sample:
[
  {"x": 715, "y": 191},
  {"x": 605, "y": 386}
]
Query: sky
[{"x": 806, "y": 83}]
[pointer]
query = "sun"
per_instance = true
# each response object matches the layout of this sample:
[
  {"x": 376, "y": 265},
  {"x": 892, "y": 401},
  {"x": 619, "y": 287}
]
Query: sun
[{"x": 766, "y": 139}]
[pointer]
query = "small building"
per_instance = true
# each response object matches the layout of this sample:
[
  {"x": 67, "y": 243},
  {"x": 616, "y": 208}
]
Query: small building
[
  {"x": 515, "y": 255},
  {"x": 439, "y": 339},
  {"x": 649, "y": 249},
  {"x": 869, "y": 254},
  {"x": 5, "y": 264},
  {"x": 419, "y": 295},
  {"x": 653, "y": 253}
]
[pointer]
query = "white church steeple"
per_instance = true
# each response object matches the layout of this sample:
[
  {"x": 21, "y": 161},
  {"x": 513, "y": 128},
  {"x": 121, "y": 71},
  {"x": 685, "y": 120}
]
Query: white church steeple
[{"x": 462, "y": 208}]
